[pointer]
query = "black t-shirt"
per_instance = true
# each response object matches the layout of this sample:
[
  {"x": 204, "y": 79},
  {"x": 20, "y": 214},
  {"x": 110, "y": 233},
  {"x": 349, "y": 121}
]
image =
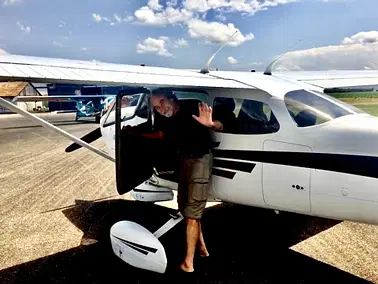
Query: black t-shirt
[{"x": 184, "y": 132}]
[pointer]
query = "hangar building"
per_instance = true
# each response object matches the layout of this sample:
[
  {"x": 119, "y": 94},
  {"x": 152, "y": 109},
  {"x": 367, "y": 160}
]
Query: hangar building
[
  {"x": 10, "y": 90},
  {"x": 73, "y": 89}
]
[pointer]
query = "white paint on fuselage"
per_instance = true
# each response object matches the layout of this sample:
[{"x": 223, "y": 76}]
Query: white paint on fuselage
[{"x": 327, "y": 194}]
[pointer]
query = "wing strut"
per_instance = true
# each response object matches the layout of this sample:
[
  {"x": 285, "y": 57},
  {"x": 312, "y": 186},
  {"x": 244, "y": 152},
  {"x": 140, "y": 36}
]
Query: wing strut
[{"x": 50, "y": 126}]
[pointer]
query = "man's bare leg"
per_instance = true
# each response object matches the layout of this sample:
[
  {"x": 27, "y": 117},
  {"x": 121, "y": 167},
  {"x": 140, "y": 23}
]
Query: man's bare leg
[
  {"x": 192, "y": 235},
  {"x": 201, "y": 243}
]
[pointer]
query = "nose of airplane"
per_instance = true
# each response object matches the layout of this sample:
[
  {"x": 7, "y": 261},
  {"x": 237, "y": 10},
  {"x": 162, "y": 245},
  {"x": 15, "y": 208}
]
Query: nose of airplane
[{"x": 356, "y": 134}]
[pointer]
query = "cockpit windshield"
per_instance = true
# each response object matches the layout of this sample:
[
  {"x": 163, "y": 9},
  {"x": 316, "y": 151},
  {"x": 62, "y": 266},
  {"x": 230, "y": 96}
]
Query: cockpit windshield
[
  {"x": 347, "y": 106},
  {"x": 308, "y": 109}
]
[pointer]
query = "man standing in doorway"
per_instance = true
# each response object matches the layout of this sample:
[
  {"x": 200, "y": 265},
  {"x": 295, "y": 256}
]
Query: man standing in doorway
[{"x": 187, "y": 125}]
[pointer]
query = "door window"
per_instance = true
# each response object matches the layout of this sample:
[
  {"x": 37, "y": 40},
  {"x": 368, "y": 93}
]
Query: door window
[
  {"x": 128, "y": 108},
  {"x": 244, "y": 116}
]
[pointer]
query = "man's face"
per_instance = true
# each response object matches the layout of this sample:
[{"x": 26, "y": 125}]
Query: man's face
[{"x": 162, "y": 105}]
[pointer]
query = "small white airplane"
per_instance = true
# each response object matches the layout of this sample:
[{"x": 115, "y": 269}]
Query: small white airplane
[{"x": 286, "y": 145}]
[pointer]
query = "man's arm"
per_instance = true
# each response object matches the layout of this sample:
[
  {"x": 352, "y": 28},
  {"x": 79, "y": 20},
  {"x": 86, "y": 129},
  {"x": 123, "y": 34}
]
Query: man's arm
[
  {"x": 151, "y": 135},
  {"x": 217, "y": 125},
  {"x": 154, "y": 135}
]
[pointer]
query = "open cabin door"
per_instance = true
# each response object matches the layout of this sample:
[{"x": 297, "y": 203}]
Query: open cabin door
[
  {"x": 139, "y": 159},
  {"x": 134, "y": 154}
]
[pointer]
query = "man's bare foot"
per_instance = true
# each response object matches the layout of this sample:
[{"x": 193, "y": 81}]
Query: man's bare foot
[
  {"x": 186, "y": 267},
  {"x": 203, "y": 252}
]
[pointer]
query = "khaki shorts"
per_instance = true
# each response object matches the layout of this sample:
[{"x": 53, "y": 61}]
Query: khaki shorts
[{"x": 193, "y": 187}]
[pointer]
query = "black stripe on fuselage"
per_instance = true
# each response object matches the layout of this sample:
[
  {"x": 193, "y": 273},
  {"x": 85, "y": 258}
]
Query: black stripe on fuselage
[
  {"x": 343, "y": 163},
  {"x": 223, "y": 173}
]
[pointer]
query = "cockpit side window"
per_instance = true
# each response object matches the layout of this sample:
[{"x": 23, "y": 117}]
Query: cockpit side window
[
  {"x": 309, "y": 109},
  {"x": 128, "y": 108},
  {"x": 244, "y": 116}
]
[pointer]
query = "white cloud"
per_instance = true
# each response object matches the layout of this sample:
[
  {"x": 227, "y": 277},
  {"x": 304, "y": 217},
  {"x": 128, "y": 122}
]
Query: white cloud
[
  {"x": 155, "y": 14},
  {"x": 98, "y": 18},
  {"x": 56, "y": 43},
  {"x": 2, "y": 51},
  {"x": 161, "y": 45},
  {"x": 154, "y": 5},
  {"x": 220, "y": 17},
  {"x": 11, "y": 2},
  {"x": 232, "y": 60},
  {"x": 62, "y": 24},
  {"x": 180, "y": 43},
  {"x": 170, "y": 15},
  {"x": 362, "y": 37},
  {"x": 117, "y": 19},
  {"x": 25, "y": 29},
  {"x": 257, "y": 63},
  {"x": 153, "y": 45},
  {"x": 245, "y": 6},
  {"x": 359, "y": 51},
  {"x": 125, "y": 19},
  {"x": 214, "y": 32},
  {"x": 84, "y": 49},
  {"x": 172, "y": 3}
]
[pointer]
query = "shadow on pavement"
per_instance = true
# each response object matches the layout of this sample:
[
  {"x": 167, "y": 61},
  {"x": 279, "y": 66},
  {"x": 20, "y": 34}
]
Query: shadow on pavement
[{"x": 246, "y": 245}]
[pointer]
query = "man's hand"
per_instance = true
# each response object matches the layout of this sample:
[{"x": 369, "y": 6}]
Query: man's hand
[{"x": 206, "y": 117}]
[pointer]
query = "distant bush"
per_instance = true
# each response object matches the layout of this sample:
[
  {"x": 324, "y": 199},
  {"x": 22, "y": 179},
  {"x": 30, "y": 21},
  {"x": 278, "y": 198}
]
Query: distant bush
[
  {"x": 354, "y": 95},
  {"x": 347, "y": 90}
]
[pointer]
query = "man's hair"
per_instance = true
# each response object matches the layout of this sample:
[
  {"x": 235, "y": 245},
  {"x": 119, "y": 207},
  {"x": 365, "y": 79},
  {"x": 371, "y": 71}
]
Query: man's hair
[{"x": 168, "y": 94}]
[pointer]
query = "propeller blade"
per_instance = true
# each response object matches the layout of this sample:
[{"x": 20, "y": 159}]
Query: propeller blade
[{"x": 89, "y": 137}]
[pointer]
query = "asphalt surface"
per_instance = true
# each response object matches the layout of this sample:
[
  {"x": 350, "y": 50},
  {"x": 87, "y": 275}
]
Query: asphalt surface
[{"x": 56, "y": 210}]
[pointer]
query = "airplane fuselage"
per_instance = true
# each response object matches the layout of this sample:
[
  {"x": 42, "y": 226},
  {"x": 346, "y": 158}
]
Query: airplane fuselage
[{"x": 327, "y": 169}]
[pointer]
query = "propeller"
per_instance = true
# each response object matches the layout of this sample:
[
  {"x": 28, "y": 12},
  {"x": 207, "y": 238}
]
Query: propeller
[{"x": 89, "y": 137}]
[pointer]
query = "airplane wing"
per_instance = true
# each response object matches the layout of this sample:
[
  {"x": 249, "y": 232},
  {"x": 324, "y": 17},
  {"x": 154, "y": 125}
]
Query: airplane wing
[
  {"x": 332, "y": 79},
  {"x": 62, "y": 98},
  {"x": 51, "y": 70}
]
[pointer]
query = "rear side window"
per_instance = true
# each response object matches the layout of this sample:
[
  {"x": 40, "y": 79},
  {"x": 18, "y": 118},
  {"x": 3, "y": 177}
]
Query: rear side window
[
  {"x": 244, "y": 116},
  {"x": 309, "y": 109}
]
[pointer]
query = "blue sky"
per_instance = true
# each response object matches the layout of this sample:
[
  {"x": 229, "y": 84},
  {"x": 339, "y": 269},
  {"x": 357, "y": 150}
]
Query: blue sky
[{"x": 336, "y": 34}]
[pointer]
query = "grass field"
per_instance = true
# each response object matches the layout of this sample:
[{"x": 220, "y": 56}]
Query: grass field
[
  {"x": 355, "y": 95},
  {"x": 371, "y": 108},
  {"x": 366, "y": 101}
]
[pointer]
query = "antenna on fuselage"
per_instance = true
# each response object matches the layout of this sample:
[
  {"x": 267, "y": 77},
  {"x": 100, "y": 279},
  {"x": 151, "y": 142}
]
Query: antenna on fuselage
[
  {"x": 207, "y": 64},
  {"x": 268, "y": 70}
]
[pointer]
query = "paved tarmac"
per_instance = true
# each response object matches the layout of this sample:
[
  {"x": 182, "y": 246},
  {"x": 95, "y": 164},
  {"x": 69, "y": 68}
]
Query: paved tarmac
[{"x": 56, "y": 210}]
